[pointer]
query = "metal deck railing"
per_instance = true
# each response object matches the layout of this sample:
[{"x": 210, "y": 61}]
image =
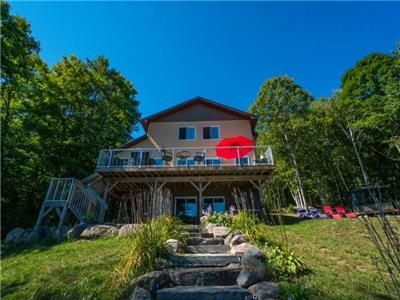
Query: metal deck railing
[{"x": 184, "y": 157}]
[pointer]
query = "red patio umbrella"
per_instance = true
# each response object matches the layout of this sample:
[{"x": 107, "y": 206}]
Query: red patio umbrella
[{"x": 234, "y": 147}]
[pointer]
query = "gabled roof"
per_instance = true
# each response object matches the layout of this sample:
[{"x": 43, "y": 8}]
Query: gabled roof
[
  {"x": 135, "y": 141},
  {"x": 199, "y": 100}
]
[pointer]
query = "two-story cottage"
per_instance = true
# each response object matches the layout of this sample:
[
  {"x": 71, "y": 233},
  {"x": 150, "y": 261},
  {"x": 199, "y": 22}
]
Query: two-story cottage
[{"x": 194, "y": 156}]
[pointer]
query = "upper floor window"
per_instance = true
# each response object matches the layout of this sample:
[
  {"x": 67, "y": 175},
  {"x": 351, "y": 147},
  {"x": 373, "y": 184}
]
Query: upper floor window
[
  {"x": 187, "y": 133},
  {"x": 211, "y": 133}
]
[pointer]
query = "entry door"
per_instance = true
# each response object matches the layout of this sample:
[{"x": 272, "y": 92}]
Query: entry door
[
  {"x": 217, "y": 203},
  {"x": 186, "y": 209}
]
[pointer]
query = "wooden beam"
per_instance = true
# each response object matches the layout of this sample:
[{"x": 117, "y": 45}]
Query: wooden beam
[{"x": 189, "y": 179}]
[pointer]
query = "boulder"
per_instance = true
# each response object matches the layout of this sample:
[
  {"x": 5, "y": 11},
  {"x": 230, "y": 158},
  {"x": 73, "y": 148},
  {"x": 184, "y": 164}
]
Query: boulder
[
  {"x": 128, "y": 230},
  {"x": 265, "y": 290},
  {"x": 60, "y": 234},
  {"x": 152, "y": 281},
  {"x": 254, "y": 260},
  {"x": 221, "y": 231},
  {"x": 233, "y": 266},
  {"x": 237, "y": 240},
  {"x": 140, "y": 294},
  {"x": 228, "y": 239},
  {"x": 240, "y": 249},
  {"x": 97, "y": 231},
  {"x": 210, "y": 227},
  {"x": 161, "y": 264},
  {"x": 173, "y": 246},
  {"x": 75, "y": 232},
  {"x": 246, "y": 278},
  {"x": 15, "y": 235}
]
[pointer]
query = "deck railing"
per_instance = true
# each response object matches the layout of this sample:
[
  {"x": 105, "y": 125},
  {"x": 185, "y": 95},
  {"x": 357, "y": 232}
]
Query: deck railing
[{"x": 185, "y": 157}]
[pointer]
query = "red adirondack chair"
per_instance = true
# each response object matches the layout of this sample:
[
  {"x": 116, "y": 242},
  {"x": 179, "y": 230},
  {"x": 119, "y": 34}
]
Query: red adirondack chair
[
  {"x": 341, "y": 211},
  {"x": 329, "y": 212}
]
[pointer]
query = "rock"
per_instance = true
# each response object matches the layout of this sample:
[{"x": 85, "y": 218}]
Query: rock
[
  {"x": 228, "y": 238},
  {"x": 240, "y": 249},
  {"x": 152, "y": 281},
  {"x": 204, "y": 276},
  {"x": 15, "y": 235},
  {"x": 265, "y": 290},
  {"x": 246, "y": 278},
  {"x": 161, "y": 264},
  {"x": 237, "y": 240},
  {"x": 140, "y": 294},
  {"x": 210, "y": 227},
  {"x": 173, "y": 246},
  {"x": 97, "y": 231},
  {"x": 221, "y": 231},
  {"x": 233, "y": 266},
  {"x": 254, "y": 260},
  {"x": 128, "y": 230},
  {"x": 75, "y": 232},
  {"x": 203, "y": 220},
  {"x": 203, "y": 293},
  {"x": 60, "y": 234}
]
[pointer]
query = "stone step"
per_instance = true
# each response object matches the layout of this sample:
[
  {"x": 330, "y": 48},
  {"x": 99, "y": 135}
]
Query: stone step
[
  {"x": 192, "y": 228},
  {"x": 204, "y": 293},
  {"x": 207, "y": 249},
  {"x": 203, "y": 260},
  {"x": 201, "y": 234},
  {"x": 204, "y": 241},
  {"x": 204, "y": 276}
]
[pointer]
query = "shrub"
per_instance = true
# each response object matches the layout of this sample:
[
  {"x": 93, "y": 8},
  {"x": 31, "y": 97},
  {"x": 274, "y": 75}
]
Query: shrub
[
  {"x": 293, "y": 291},
  {"x": 148, "y": 244},
  {"x": 283, "y": 262},
  {"x": 220, "y": 219}
]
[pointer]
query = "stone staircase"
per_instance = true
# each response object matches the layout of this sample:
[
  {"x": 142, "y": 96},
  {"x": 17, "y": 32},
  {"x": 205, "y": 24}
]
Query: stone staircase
[{"x": 205, "y": 271}]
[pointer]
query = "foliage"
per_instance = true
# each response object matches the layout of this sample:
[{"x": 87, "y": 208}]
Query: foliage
[
  {"x": 51, "y": 116},
  {"x": 293, "y": 291},
  {"x": 221, "y": 219},
  {"x": 283, "y": 262},
  {"x": 147, "y": 244}
]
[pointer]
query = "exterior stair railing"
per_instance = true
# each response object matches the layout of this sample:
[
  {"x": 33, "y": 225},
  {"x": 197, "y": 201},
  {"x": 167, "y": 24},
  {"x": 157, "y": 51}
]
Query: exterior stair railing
[{"x": 70, "y": 194}]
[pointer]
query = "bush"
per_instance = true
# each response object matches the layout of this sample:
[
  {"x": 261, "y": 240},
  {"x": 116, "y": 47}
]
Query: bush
[
  {"x": 148, "y": 243},
  {"x": 220, "y": 219},
  {"x": 292, "y": 291},
  {"x": 283, "y": 262}
]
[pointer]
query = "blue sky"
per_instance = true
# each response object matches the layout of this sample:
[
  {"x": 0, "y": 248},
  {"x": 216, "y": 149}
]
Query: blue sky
[{"x": 219, "y": 50}]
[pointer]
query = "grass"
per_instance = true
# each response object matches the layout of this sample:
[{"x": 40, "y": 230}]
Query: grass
[{"x": 337, "y": 253}]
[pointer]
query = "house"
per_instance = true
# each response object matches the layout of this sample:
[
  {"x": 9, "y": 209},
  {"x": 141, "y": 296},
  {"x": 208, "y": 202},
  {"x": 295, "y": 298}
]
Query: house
[{"x": 175, "y": 168}]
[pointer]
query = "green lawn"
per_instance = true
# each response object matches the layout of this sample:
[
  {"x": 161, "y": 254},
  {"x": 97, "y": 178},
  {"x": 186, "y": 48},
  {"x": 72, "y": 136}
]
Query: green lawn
[{"x": 337, "y": 254}]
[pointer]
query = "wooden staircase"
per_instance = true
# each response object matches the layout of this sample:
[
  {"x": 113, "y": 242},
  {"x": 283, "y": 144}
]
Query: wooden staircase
[{"x": 70, "y": 194}]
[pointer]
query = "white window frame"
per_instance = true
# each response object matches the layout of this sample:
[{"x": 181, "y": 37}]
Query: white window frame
[
  {"x": 188, "y": 140},
  {"x": 213, "y": 197},
  {"x": 213, "y": 157},
  {"x": 219, "y": 133},
  {"x": 188, "y": 197}
]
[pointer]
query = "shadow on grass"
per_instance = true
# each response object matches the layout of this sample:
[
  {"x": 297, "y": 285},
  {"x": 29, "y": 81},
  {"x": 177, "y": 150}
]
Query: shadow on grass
[
  {"x": 276, "y": 220},
  {"x": 13, "y": 250}
]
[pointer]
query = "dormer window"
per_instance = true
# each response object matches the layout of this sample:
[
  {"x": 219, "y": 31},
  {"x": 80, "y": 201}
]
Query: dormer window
[
  {"x": 187, "y": 133},
  {"x": 211, "y": 133}
]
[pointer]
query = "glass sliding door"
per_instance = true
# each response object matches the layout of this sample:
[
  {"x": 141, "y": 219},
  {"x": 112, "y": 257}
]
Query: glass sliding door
[
  {"x": 186, "y": 209},
  {"x": 217, "y": 203}
]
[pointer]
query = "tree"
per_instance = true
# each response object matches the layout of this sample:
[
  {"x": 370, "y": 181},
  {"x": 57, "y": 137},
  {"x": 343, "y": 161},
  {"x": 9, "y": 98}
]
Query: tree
[
  {"x": 54, "y": 120},
  {"x": 281, "y": 105}
]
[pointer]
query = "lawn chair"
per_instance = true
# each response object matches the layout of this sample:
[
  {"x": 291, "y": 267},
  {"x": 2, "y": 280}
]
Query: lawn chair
[
  {"x": 314, "y": 213},
  {"x": 329, "y": 212},
  {"x": 341, "y": 211},
  {"x": 303, "y": 214}
]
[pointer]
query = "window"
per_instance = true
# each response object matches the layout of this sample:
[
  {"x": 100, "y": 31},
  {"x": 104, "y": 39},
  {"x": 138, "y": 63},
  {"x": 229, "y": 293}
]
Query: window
[
  {"x": 211, "y": 133},
  {"x": 217, "y": 204},
  {"x": 213, "y": 161},
  {"x": 187, "y": 133}
]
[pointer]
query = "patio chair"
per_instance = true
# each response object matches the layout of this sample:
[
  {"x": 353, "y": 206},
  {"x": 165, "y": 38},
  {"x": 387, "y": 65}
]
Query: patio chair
[
  {"x": 341, "y": 211},
  {"x": 314, "y": 213},
  {"x": 199, "y": 157},
  {"x": 329, "y": 212},
  {"x": 303, "y": 214}
]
